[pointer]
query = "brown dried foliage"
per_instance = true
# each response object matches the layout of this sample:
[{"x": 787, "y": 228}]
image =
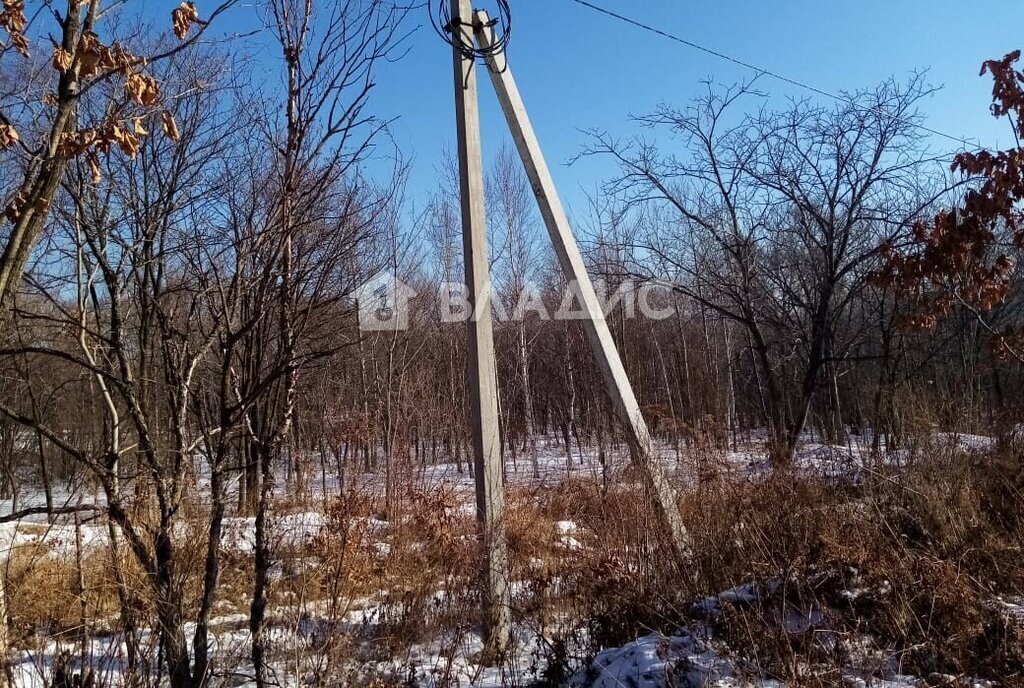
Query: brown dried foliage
[
  {"x": 91, "y": 57},
  {"x": 95, "y": 57},
  {"x": 12, "y": 20},
  {"x": 101, "y": 139},
  {"x": 62, "y": 59},
  {"x": 8, "y": 136},
  {"x": 142, "y": 89},
  {"x": 170, "y": 126},
  {"x": 959, "y": 257},
  {"x": 183, "y": 17}
]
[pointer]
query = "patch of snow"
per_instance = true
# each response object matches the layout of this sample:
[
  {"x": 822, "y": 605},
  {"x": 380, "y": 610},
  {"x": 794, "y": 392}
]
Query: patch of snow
[
  {"x": 964, "y": 441},
  {"x": 685, "y": 660},
  {"x": 566, "y": 527},
  {"x": 570, "y": 543}
]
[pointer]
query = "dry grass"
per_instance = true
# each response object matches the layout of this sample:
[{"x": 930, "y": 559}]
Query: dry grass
[{"x": 913, "y": 557}]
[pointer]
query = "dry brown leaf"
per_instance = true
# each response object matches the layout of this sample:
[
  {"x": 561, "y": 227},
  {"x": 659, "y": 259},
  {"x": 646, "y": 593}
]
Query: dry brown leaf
[
  {"x": 94, "y": 167},
  {"x": 62, "y": 59},
  {"x": 12, "y": 16},
  {"x": 75, "y": 143},
  {"x": 89, "y": 54},
  {"x": 12, "y": 19},
  {"x": 170, "y": 126},
  {"x": 126, "y": 141},
  {"x": 140, "y": 129},
  {"x": 13, "y": 210},
  {"x": 143, "y": 89},
  {"x": 95, "y": 57},
  {"x": 8, "y": 136},
  {"x": 183, "y": 18},
  {"x": 20, "y": 44}
]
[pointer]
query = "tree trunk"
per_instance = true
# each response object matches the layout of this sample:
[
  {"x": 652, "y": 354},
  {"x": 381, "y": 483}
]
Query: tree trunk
[
  {"x": 529, "y": 427},
  {"x": 169, "y": 612},
  {"x": 6, "y": 676},
  {"x": 201, "y": 637}
]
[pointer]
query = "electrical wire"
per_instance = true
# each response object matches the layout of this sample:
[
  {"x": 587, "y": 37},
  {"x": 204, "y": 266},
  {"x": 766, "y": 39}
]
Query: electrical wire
[
  {"x": 444, "y": 25},
  {"x": 760, "y": 71}
]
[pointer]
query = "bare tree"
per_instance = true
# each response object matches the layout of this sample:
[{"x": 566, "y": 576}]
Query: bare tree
[
  {"x": 775, "y": 221},
  {"x": 516, "y": 269},
  {"x": 329, "y": 57},
  {"x": 82, "y": 63}
]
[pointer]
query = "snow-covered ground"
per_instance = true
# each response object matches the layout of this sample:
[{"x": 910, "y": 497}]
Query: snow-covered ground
[{"x": 690, "y": 656}]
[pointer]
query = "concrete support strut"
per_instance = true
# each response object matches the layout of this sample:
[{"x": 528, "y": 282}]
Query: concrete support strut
[
  {"x": 483, "y": 384},
  {"x": 614, "y": 374}
]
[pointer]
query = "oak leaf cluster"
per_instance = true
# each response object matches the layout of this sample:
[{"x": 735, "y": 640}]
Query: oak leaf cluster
[
  {"x": 183, "y": 17},
  {"x": 12, "y": 20},
  {"x": 963, "y": 256}
]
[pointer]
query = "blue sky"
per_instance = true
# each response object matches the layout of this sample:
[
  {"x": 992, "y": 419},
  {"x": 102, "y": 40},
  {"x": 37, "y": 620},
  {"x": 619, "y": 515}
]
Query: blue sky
[{"x": 579, "y": 70}]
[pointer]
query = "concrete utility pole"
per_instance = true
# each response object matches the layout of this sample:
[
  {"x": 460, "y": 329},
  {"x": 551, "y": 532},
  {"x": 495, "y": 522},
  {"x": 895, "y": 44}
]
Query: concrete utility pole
[
  {"x": 483, "y": 383},
  {"x": 601, "y": 342}
]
